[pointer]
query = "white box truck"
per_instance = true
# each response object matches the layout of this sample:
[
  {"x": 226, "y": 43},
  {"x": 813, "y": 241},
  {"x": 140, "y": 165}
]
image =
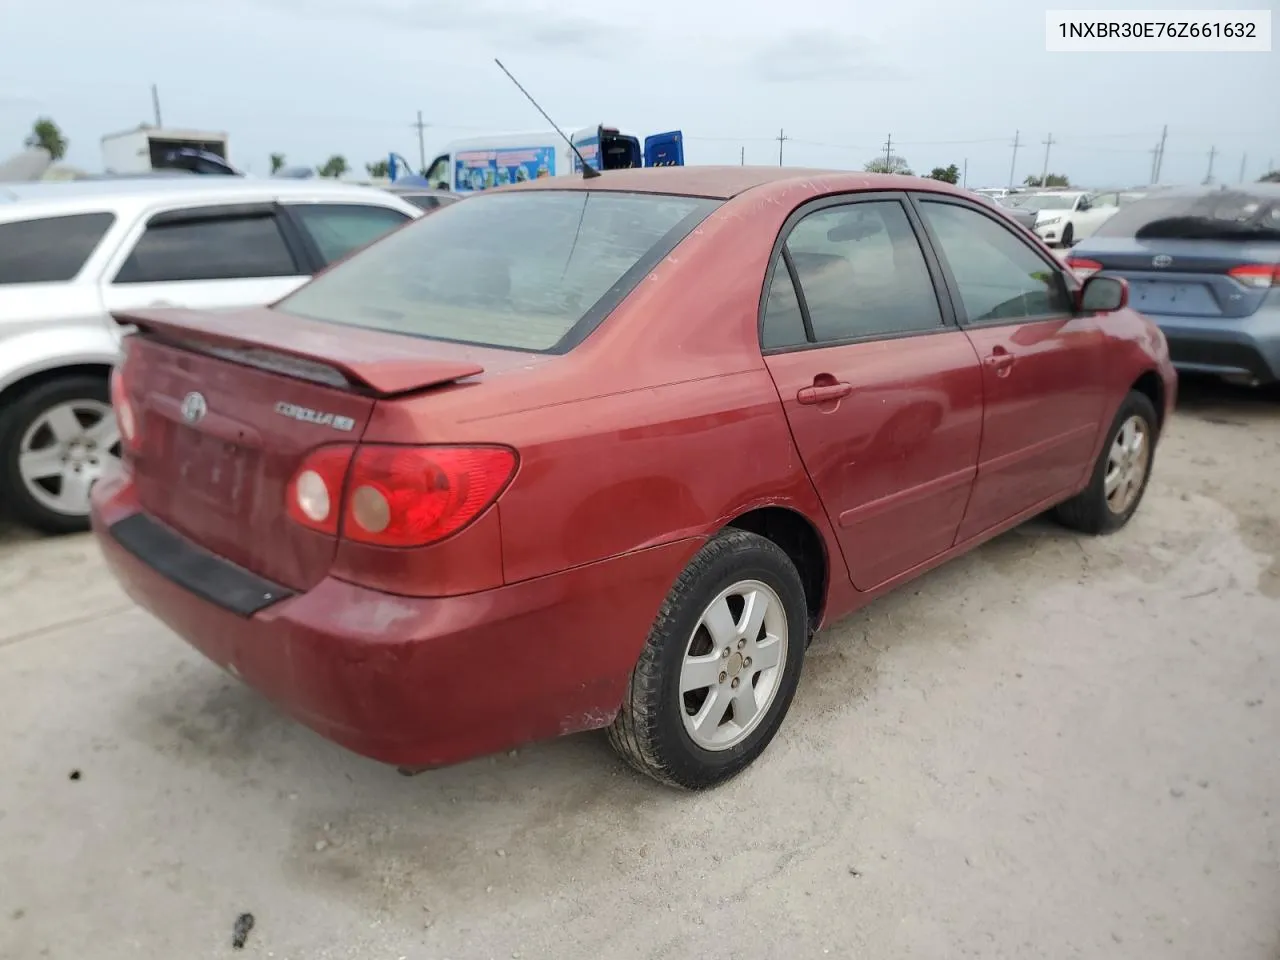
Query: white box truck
[
  {"x": 481, "y": 163},
  {"x": 147, "y": 149}
]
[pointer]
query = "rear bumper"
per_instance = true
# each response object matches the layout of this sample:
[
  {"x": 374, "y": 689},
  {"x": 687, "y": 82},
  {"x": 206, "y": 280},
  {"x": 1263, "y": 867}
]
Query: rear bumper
[
  {"x": 1247, "y": 348},
  {"x": 412, "y": 681}
]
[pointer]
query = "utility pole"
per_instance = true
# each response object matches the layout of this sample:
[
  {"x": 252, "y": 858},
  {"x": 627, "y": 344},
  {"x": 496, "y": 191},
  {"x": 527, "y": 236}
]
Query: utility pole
[
  {"x": 782, "y": 138},
  {"x": 742, "y": 157},
  {"x": 1014, "y": 162},
  {"x": 422, "y": 149},
  {"x": 1243, "y": 161},
  {"x": 965, "y": 181},
  {"x": 1208, "y": 177},
  {"x": 1164, "y": 135},
  {"x": 1155, "y": 158},
  {"x": 888, "y": 154},
  {"x": 155, "y": 104},
  {"x": 1044, "y": 174}
]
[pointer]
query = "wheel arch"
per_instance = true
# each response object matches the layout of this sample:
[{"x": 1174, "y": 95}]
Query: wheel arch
[
  {"x": 1151, "y": 386},
  {"x": 31, "y": 380},
  {"x": 800, "y": 539}
]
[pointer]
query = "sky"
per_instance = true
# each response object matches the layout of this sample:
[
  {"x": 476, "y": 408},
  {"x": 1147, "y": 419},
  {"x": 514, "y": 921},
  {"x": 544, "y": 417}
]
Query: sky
[{"x": 951, "y": 83}]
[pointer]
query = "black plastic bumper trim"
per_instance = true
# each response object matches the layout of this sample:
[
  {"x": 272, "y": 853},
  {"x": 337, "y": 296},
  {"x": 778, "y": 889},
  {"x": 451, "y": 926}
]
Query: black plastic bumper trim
[{"x": 219, "y": 581}]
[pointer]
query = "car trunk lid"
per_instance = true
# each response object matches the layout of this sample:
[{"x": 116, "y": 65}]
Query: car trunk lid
[
  {"x": 1183, "y": 277},
  {"x": 229, "y": 406}
]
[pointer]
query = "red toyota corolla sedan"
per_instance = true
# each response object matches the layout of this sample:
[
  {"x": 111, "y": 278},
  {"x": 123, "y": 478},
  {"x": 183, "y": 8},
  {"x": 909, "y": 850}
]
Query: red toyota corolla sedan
[{"x": 606, "y": 453}]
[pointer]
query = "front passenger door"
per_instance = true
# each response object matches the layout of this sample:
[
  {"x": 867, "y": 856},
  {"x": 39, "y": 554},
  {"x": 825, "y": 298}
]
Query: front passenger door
[
  {"x": 1042, "y": 365},
  {"x": 882, "y": 392}
]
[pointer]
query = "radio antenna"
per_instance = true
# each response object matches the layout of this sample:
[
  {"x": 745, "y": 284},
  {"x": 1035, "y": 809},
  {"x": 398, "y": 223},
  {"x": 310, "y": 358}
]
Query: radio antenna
[{"x": 587, "y": 171}]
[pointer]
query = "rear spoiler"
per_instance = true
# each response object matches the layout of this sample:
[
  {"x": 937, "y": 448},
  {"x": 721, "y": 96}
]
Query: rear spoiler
[{"x": 384, "y": 364}]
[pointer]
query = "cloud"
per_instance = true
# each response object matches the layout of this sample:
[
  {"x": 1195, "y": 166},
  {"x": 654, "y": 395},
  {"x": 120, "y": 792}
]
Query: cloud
[
  {"x": 508, "y": 25},
  {"x": 807, "y": 55}
]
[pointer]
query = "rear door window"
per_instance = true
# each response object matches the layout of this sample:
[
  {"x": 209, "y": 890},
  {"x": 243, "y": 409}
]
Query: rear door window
[
  {"x": 51, "y": 249},
  {"x": 862, "y": 272},
  {"x": 534, "y": 270},
  {"x": 233, "y": 247},
  {"x": 338, "y": 228}
]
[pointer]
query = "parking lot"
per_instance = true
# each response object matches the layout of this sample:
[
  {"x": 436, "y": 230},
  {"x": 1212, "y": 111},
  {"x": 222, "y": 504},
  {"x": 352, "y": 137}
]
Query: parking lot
[{"x": 1053, "y": 747}]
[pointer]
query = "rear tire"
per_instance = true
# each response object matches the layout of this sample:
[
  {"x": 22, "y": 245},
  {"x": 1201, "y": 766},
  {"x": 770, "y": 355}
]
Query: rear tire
[
  {"x": 79, "y": 406},
  {"x": 1121, "y": 473},
  {"x": 704, "y": 701}
]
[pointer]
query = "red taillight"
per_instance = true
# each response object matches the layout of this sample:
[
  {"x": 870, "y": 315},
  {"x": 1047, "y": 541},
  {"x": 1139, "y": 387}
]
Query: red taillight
[
  {"x": 314, "y": 496},
  {"x": 126, "y": 418},
  {"x": 411, "y": 496},
  {"x": 1083, "y": 268},
  {"x": 1260, "y": 276}
]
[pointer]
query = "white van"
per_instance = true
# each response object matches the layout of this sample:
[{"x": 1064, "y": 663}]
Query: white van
[{"x": 481, "y": 163}]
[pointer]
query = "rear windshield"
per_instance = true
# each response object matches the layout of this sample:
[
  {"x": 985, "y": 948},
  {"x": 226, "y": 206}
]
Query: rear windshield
[
  {"x": 1245, "y": 215},
  {"x": 529, "y": 270}
]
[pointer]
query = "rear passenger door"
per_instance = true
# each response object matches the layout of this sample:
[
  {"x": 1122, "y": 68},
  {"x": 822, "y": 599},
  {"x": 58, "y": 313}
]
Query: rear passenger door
[
  {"x": 211, "y": 257},
  {"x": 882, "y": 392},
  {"x": 333, "y": 230},
  {"x": 1042, "y": 364}
]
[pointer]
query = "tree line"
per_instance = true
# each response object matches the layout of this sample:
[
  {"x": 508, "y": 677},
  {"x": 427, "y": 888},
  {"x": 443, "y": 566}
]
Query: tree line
[{"x": 47, "y": 134}]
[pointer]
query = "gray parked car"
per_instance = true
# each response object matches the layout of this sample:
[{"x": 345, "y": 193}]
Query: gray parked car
[
  {"x": 425, "y": 198},
  {"x": 1204, "y": 264},
  {"x": 1024, "y": 218}
]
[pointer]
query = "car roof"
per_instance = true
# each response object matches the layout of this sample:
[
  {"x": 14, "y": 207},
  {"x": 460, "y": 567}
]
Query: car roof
[
  {"x": 722, "y": 183},
  {"x": 47, "y": 198}
]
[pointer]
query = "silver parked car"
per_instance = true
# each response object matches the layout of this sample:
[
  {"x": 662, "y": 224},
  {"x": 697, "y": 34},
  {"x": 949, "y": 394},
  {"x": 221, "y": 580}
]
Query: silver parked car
[
  {"x": 72, "y": 253},
  {"x": 1024, "y": 218}
]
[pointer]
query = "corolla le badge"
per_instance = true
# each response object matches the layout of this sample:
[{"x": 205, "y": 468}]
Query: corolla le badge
[
  {"x": 317, "y": 417},
  {"x": 194, "y": 407},
  {"x": 1162, "y": 260}
]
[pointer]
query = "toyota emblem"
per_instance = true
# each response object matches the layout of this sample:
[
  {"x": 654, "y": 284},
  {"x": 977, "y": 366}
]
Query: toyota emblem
[
  {"x": 194, "y": 408},
  {"x": 1162, "y": 260}
]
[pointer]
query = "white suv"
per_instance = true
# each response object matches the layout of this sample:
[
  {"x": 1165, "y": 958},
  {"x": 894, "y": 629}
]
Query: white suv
[{"x": 72, "y": 253}]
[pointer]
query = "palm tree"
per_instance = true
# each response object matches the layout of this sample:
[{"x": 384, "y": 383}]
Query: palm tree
[
  {"x": 277, "y": 161},
  {"x": 45, "y": 133},
  {"x": 334, "y": 167}
]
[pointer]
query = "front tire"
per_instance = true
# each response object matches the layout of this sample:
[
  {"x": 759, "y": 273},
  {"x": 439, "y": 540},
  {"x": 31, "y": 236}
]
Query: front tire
[
  {"x": 1068, "y": 237},
  {"x": 720, "y": 666},
  {"x": 55, "y": 441},
  {"x": 1121, "y": 473}
]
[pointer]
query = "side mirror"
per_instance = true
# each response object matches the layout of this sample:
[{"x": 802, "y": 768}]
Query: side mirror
[{"x": 1103, "y": 295}]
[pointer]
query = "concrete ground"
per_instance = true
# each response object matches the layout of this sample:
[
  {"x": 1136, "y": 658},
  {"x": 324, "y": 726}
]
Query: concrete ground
[{"x": 1055, "y": 747}]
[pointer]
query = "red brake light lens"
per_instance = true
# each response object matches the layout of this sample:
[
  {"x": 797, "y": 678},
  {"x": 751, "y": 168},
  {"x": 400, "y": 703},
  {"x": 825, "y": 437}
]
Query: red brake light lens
[
  {"x": 314, "y": 496},
  {"x": 126, "y": 418},
  {"x": 1082, "y": 268},
  {"x": 1260, "y": 276},
  {"x": 412, "y": 496}
]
